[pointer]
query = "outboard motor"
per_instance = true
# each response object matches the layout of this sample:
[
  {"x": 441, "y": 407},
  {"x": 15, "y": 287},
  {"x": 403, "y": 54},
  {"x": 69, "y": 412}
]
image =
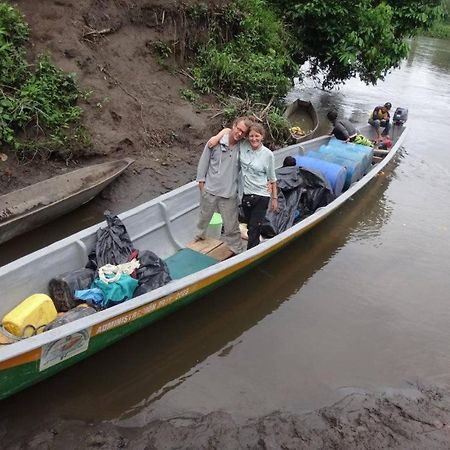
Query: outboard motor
[{"x": 400, "y": 116}]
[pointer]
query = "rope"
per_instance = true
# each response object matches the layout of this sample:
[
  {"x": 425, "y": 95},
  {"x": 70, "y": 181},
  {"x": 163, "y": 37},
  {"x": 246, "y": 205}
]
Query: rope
[{"x": 116, "y": 271}]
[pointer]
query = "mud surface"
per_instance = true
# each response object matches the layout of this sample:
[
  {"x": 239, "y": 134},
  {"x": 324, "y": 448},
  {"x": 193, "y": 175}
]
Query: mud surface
[{"x": 418, "y": 418}]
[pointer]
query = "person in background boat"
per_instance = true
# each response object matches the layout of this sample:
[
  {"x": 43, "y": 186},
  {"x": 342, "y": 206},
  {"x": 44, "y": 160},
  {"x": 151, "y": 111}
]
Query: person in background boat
[
  {"x": 345, "y": 131},
  {"x": 217, "y": 177},
  {"x": 342, "y": 128},
  {"x": 258, "y": 178},
  {"x": 380, "y": 118}
]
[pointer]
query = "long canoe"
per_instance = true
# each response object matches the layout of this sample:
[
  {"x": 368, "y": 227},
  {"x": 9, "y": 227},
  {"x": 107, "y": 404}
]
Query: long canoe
[
  {"x": 301, "y": 113},
  {"x": 32, "y": 206},
  {"x": 164, "y": 225}
]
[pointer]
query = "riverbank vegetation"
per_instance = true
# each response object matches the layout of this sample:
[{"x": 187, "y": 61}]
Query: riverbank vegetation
[
  {"x": 342, "y": 39},
  {"x": 251, "y": 72},
  {"x": 339, "y": 39},
  {"x": 441, "y": 28}
]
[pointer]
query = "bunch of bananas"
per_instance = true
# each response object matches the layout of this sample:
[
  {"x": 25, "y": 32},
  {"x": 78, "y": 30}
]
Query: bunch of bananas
[{"x": 297, "y": 131}]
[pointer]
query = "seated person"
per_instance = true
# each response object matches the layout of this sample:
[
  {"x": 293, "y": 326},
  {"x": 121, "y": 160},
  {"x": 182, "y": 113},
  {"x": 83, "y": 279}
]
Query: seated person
[
  {"x": 380, "y": 118},
  {"x": 345, "y": 131},
  {"x": 342, "y": 129}
]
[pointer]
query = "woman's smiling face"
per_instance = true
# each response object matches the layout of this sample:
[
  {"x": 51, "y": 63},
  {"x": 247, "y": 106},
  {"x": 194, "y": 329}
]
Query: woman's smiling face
[{"x": 255, "y": 139}]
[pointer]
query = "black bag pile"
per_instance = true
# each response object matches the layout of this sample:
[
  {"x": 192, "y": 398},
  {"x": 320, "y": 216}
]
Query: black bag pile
[
  {"x": 152, "y": 273},
  {"x": 113, "y": 246},
  {"x": 300, "y": 193}
]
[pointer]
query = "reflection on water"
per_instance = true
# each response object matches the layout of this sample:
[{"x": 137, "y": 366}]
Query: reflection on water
[{"x": 361, "y": 301}]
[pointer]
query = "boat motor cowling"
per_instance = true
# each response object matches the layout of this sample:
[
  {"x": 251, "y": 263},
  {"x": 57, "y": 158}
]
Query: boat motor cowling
[{"x": 400, "y": 116}]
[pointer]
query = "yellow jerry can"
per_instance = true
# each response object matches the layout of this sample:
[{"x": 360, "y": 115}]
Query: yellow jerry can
[{"x": 30, "y": 316}]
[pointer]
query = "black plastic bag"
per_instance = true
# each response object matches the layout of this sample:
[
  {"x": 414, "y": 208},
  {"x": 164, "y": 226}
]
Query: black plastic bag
[
  {"x": 290, "y": 187},
  {"x": 63, "y": 287},
  {"x": 152, "y": 273},
  {"x": 280, "y": 220},
  {"x": 113, "y": 244},
  {"x": 317, "y": 191}
]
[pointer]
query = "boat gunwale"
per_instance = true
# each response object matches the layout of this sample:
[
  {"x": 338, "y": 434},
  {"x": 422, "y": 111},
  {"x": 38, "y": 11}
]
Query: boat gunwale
[{"x": 249, "y": 256}]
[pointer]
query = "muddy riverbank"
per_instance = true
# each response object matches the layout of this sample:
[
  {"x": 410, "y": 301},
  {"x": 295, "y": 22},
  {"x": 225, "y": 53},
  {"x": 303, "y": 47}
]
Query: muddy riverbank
[{"x": 416, "y": 418}]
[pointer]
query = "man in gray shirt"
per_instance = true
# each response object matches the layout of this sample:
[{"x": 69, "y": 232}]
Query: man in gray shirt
[{"x": 217, "y": 176}]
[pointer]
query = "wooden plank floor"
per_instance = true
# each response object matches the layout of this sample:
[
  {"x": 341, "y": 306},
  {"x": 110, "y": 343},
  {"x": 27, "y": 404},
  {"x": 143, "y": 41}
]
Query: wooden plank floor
[
  {"x": 215, "y": 248},
  {"x": 212, "y": 247}
]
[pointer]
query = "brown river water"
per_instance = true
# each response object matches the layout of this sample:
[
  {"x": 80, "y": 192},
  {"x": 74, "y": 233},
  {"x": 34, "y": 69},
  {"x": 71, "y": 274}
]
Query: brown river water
[{"x": 361, "y": 302}]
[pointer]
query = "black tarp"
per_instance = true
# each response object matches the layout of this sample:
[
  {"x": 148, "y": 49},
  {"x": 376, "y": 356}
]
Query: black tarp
[{"x": 300, "y": 193}]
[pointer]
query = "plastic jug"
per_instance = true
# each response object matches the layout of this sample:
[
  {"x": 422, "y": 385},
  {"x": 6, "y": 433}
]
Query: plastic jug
[
  {"x": 215, "y": 226},
  {"x": 30, "y": 316}
]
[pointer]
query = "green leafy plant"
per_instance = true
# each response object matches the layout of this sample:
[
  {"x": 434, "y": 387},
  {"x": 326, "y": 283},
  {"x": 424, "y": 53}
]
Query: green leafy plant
[
  {"x": 13, "y": 35},
  {"x": 189, "y": 95},
  {"x": 197, "y": 11},
  {"x": 162, "y": 49},
  {"x": 229, "y": 113},
  {"x": 38, "y": 103},
  {"x": 440, "y": 30},
  {"x": 12, "y": 25},
  {"x": 278, "y": 125}
]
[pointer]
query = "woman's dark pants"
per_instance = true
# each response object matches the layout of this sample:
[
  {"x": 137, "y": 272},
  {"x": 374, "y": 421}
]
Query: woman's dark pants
[{"x": 254, "y": 208}]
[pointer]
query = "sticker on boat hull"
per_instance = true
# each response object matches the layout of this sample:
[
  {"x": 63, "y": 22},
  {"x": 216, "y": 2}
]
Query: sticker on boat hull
[{"x": 64, "y": 349}]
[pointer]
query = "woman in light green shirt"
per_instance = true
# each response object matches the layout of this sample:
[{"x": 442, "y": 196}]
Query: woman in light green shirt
[{"x": 258, "y": 180}]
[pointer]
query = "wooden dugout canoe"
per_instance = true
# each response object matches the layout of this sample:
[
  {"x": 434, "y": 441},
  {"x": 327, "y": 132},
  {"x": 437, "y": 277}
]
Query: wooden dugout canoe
[
  {"x": 32, "y": 206},
  {"x": 164, "y": 225},
  {"x": 301, "y": 113}
]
